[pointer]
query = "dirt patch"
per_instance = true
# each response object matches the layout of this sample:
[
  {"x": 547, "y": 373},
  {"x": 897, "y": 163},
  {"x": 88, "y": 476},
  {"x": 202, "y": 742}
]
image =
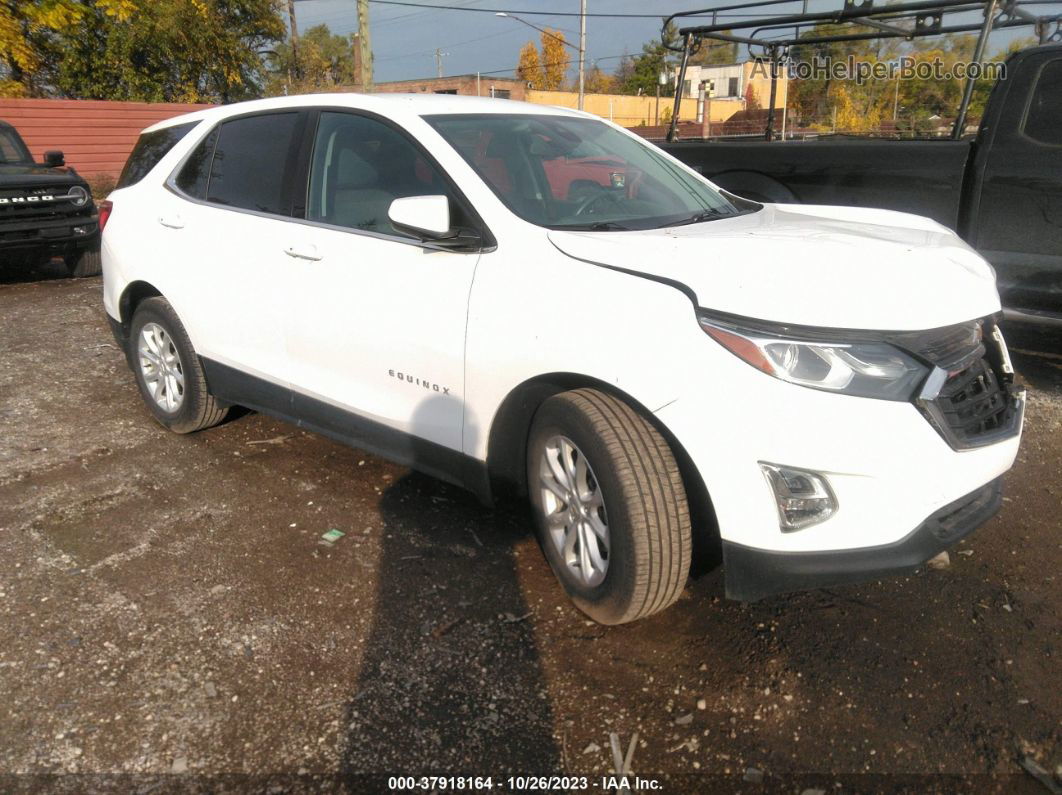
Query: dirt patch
[{"x": 166, "y": 606}]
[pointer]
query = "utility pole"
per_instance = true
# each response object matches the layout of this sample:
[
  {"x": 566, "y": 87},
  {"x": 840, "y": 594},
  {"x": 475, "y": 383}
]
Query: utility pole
[
  {"x": 364, "y": 45},
  {"x": 438, "y": 61},
  {"x": 582, "y": 52},
  {"x": 293, "y": 74}
]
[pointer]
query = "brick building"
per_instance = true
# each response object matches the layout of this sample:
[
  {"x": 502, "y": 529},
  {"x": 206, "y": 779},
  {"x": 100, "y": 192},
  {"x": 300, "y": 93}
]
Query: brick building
[{"x": 466, "y": 85}]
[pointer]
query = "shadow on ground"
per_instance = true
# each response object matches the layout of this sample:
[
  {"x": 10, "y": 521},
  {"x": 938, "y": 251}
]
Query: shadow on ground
[
  {"x": 450, "y": 681},
  {"x": 14, "y": 272}
]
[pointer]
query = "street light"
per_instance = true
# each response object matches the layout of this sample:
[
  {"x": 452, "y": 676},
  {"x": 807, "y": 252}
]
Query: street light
[{"x": 581, "y": 49}]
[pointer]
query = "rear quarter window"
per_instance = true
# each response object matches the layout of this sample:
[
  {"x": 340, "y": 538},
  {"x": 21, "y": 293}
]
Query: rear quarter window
[
  {"x": 1043, "y": 122},
  {"x": 149, "y": 150}
]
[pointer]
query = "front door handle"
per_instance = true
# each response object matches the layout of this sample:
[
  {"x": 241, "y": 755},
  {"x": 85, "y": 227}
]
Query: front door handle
[
  {"x": 172, "y": 221},
  {"x": 303, "y": 252}
]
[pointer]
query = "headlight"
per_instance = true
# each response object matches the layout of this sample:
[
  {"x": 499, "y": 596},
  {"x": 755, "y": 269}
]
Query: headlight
[
  {"x": 78, "y": 195},
  {"x": 862, "y": 369}
]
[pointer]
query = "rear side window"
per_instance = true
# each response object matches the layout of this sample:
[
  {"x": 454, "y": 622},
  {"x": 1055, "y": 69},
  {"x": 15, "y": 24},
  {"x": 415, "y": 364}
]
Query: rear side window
[
  {"x": 253, "y": 162},
  {"x": 149, "y": 150},
  {"x": 196, "y": 171},
  {"x": 1044, "y": 121}
]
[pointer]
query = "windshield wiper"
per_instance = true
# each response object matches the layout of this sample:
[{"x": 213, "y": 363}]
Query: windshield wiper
[
  {"x": 696, "y": 218},
  {"x": 597, "y": 226}
]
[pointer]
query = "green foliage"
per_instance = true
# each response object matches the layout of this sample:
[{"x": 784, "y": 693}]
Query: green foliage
[
  {"x": 640, "y": 74},
  {"x": 322, "y": 61},
  {"x": 850, "y": 106},
  {"x": 167, "y": 51},
  {"x": 28, "y": 26},
  {"x": 715, "y": 52}
]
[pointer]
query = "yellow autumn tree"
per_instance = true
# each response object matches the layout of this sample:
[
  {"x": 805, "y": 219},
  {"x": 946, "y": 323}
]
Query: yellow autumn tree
[
  {"x": 853, "y": 114},
  {"x": 597, "y": 82},
  {"x": 26, "y": 24},
  {"x": 528, "y": 67},
  {"x": 554, "y": 60}
]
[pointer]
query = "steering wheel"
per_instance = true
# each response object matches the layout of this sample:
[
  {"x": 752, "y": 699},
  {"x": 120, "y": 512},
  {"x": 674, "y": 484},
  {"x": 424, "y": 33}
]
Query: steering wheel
[{"x": 593, "y": 199}]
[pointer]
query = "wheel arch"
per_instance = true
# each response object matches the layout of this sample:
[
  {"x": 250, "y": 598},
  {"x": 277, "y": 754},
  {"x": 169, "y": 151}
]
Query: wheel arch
[
  {"x": 131, "y": 297},
  {"x": 507, "y": 453}
]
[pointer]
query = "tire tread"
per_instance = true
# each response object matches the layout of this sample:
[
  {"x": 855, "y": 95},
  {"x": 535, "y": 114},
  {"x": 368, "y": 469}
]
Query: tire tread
[{"x": 659, "y": 512}]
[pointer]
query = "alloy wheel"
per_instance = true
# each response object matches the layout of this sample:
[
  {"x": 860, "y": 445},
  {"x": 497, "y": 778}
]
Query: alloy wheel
[
  {"x": 575, "y": 510},
  {"x": 160, "y": 366}
]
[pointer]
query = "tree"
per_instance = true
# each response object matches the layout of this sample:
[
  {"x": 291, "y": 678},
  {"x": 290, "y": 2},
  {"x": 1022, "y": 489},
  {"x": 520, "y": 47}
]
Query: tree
[
  {"x": 168, "y": 51},
  {"x": 528, "y": 68},
  {"x": 597, "y": 82},
  {"x": 641, "y": 73},
  {"x": 325, "y": 61},
  {"x": 715, "y": 52},
  {"x": 554, "y": 60},
  {"x": 752, "y": 102},
  {"x": 29, "y": 29}
]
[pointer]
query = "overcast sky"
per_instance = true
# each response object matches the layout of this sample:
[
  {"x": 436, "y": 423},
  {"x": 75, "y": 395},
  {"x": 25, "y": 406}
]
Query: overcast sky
[{"x": 404, "y": 39}]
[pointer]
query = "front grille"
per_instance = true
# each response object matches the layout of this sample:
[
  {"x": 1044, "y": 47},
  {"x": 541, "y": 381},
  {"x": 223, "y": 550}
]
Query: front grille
[
  {"x": 31, "y": 204},
  {"x": 971, "y": 402},
  {"x": 975, "y": 402},
  {"x": 32, "y": 213}
]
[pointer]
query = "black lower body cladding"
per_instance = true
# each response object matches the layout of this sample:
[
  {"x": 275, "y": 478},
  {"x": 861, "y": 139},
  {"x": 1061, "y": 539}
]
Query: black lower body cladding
[{"x": 754, "y": 574}]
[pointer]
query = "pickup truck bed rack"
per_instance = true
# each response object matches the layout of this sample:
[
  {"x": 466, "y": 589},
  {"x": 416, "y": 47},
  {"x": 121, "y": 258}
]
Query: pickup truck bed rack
[{"x": 774, "y": 35}]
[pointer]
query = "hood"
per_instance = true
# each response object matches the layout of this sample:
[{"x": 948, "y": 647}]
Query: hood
[
  {"x": 831, "y": 267},
  {"x": 31, "y": 174}
]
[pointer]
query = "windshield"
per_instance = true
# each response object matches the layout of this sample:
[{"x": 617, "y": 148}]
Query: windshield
[
  {"x": 569, "y": 173},
  {"x": 12, "y": 150}
]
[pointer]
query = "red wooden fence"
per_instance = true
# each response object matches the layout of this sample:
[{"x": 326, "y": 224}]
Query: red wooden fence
[{"x": 95, "y": 136}]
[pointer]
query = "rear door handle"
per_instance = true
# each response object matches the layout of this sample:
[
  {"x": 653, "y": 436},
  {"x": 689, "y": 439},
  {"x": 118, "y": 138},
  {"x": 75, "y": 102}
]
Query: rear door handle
[
  {"x": 303, "y": 252},
  {"x": 172, "y": 221}
]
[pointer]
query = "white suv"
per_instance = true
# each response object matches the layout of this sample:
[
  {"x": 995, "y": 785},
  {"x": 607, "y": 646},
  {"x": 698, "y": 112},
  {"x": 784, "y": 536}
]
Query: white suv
[{"x": 510, "y": 295}]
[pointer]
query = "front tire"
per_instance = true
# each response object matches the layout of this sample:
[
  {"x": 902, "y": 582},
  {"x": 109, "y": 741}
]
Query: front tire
[
  {"x": 84, "y": 263},
  {"x": 171, "y": 380},
  {"x": 610, "y": 506}
]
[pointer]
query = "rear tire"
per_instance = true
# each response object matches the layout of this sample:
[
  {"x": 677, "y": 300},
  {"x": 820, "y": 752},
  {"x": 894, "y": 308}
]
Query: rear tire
[
  {"x": 85, "y": 263},
  {"x": 167, "y": 370},
  {"x": 628, "y": 491}
]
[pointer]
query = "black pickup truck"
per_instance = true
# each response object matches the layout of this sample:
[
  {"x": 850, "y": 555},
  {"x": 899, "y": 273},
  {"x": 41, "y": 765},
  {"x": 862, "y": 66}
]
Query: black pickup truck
[
  {"x": 46, "y": 210},
  {"x": 1001, "y": 191}
]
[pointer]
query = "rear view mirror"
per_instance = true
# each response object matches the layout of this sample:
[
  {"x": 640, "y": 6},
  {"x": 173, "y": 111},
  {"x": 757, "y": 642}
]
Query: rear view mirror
[
  {"x": 422, "y": 216},
  {"x": 54, "y": 158}
]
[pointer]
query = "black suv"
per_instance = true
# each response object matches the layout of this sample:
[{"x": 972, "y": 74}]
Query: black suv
[{"x": 46, "y": 210}]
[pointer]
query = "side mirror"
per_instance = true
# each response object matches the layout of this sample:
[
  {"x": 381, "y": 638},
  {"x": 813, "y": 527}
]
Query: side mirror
[
  {"x": 426, "y": 217},
  {"x": 54, "y": 158}
]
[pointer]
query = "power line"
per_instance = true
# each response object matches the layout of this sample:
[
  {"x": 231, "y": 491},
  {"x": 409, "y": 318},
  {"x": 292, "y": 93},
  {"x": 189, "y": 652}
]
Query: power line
[
  {"x": 555, "y": 63},
  {"x": 444, "y": 46},
  {"x": 514, "y": 10}
]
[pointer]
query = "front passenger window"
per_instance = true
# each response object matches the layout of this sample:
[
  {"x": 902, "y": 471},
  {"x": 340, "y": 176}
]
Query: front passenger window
[{"x": 360, "y": 166}]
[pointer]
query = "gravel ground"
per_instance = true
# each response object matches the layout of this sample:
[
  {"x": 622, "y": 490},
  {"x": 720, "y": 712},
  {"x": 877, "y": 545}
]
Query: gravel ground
[{"x": 166, "y": 608}]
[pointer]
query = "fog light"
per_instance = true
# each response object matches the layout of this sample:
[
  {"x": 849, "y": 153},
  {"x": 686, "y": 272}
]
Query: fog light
[
  {"x": 80, "y": 230},
  {"x": 804, "y": 498}
]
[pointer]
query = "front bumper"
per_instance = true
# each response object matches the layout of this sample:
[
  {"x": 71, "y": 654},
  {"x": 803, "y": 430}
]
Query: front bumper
[
  {"x": 81, "y": 230},
  {"x": 752, "y": 574}
]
